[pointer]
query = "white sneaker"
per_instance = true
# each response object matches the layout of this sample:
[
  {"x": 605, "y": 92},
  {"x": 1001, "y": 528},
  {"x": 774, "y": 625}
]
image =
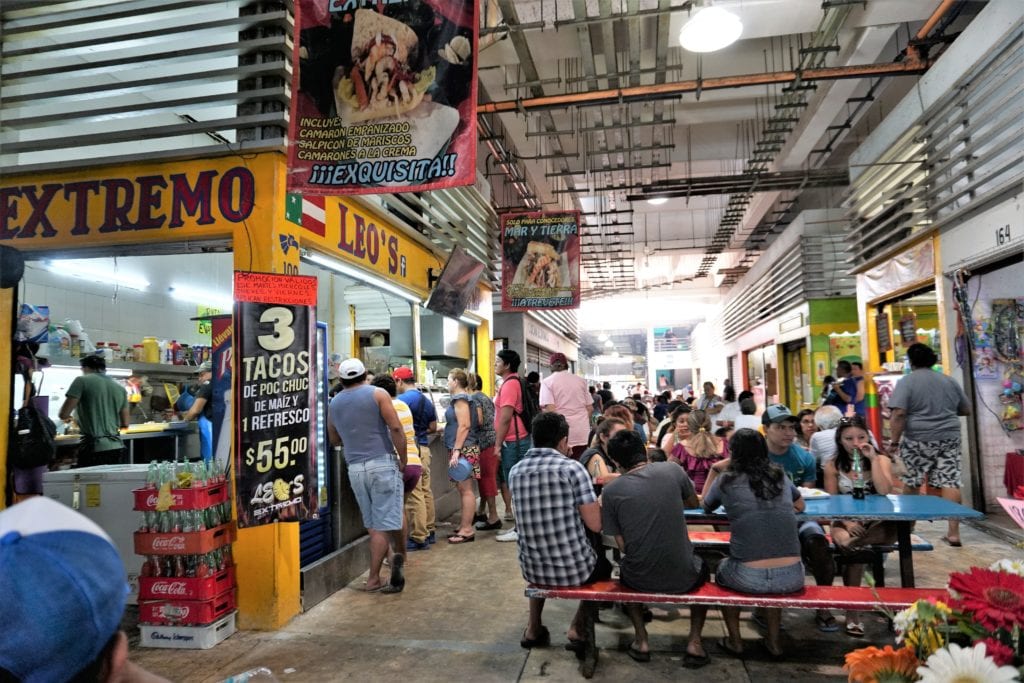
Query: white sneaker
[{"x": 507, "y": 537}]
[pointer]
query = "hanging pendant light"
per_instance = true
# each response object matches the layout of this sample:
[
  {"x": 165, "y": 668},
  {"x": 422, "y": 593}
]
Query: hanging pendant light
[{"x": 710, "y": 29}]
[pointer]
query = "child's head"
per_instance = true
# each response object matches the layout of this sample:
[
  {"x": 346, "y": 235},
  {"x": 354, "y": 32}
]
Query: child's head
[
  {"x": 655, "y": 454},
  {"x": 724, "y": 432}
]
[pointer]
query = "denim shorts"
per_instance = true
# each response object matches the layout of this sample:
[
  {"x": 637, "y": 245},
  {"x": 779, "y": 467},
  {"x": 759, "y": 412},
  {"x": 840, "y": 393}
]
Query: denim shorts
[
  {"x": 377, "y": 485},
  {"x": 511, "y": 453},
  {"x": 760, "y": 580}
]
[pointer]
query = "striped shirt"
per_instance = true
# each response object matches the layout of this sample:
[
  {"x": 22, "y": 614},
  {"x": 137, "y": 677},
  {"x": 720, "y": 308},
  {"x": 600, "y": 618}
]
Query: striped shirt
[{"x": 405, "y": 417}]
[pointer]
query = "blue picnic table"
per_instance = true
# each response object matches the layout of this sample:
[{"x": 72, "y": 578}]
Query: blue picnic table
[{"x": 902, "y": 509}]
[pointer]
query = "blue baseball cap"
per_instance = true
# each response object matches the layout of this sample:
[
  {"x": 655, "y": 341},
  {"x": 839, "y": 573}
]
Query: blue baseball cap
[{"x": 64, "y": 589}]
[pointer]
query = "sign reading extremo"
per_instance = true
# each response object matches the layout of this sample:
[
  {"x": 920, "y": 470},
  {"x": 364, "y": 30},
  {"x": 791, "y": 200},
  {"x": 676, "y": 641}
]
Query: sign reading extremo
[
  {"x": 385, "y": 96},
  {"x": 540, "y": 260},
  {"x": 275, "y": 386}
]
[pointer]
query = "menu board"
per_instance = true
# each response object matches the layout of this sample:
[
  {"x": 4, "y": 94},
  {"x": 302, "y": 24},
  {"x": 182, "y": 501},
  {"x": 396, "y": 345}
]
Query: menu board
[
  {"x": 275, "y": 386},
  {"x": 883, "y": 333}
]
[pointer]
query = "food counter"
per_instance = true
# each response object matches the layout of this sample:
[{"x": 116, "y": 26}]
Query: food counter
[{"x": 176, "y": 431}]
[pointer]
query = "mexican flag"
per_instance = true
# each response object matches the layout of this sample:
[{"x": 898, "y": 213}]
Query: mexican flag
[{"x": 307, "y": 212}]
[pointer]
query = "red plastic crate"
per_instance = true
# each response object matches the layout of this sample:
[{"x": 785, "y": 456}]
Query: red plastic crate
[
  {"x": 192, "y": 612},
  {"x": 197, "y": 498},
  {"x": 185, "y": 542},
  {"x": 170, "y": 588}
]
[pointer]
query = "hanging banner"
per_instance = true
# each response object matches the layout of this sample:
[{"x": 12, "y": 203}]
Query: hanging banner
[
  {"x": 540, "y": 260},
  {"x": 385, "y": 96},
  {"x": 275, "y": 388},
  {"x": 220, "y": 381}
]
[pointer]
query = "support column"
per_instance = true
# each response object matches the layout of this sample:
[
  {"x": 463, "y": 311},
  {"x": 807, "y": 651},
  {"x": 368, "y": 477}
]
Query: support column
[{"x": 267, "y": 556}]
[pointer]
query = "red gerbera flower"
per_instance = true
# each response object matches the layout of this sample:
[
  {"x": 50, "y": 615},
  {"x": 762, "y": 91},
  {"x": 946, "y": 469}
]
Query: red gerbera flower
[
  {"x": 993, "y": 599},
  {"x": 1001, "y": 653}
]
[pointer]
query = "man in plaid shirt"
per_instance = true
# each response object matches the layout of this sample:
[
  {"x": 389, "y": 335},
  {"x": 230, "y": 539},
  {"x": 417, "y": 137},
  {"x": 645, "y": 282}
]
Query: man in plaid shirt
[{"x": 554, "y": 500}]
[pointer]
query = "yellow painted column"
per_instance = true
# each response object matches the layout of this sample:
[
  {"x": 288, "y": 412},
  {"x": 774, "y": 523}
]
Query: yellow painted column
[
  {"x": 485, "y": 358},
  {"x": 6, "y": 361},
  {"x": 267, "y": 556}
]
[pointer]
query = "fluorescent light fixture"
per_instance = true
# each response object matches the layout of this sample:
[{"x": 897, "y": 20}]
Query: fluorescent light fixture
[
  {"x": 657, "y": 201},
  {"x": 362, "y": 276},
  {"x": 195, "y": 295},
  {"x": 81, "y": 268},
  {"x": 710, "y": 29},
  {"x": 473, "y": 322},
  {"x": 609, "y": 343},
  {"x": 602, "y": 337}
]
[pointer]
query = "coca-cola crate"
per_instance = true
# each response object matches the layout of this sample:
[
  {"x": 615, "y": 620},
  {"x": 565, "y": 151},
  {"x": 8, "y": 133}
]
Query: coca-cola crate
[
  {"x": 184, "y": 542},
  {"x": 196, "y": 498},
  {"x": 186, "y": 612},
  {"x": 169, "y": 587},
  {"x": 188, "y": 637}
]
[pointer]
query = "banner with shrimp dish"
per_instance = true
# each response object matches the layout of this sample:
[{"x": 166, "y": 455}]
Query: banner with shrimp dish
[
  {"x": 540, "y": 260},
  {"x": 384, "y": 96}
]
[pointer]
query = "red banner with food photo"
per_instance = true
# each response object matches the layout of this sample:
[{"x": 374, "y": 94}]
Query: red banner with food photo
[
  {"x": 540, "y": 260},
  {"x": 384, "y": 96}
]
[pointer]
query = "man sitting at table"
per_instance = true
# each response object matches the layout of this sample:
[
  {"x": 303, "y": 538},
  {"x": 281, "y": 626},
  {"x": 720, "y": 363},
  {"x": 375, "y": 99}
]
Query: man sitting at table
[
  {"x": 554, "y": 500},
  {"x": 643, "y": 509},
  {"x": 780, "y": 427}
]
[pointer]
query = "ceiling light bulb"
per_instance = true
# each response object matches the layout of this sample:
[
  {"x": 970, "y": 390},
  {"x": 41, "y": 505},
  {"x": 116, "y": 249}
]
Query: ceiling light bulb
[
  {"x": 609, "y": 343},
  {"x": 615, "y": 354},
  {"x": 657, "y": 201},
  {"x": 602, "y": 337},
  {"x": 710, "y": 29}
]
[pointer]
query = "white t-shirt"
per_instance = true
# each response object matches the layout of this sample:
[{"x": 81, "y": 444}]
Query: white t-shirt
[
  {"x": 729, "y": 413},
  {"x": 748, "y": 422}
]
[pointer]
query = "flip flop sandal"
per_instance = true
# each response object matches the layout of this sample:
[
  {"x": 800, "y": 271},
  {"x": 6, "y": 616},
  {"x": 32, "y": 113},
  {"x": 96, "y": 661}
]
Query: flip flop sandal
[
  {"x": 855, "y": 629},
  {"x": 692, "y": 661},
  {"x": 951, "y": 543},
  {"x": 372, "y": 590},
  {"x": 391, "y": 589},
  {"x": 637, "y": 655},
  {"x": 826, "y": 624},
  {"x": 456, "y": 539},
  {"x": 543, "y": 639}
]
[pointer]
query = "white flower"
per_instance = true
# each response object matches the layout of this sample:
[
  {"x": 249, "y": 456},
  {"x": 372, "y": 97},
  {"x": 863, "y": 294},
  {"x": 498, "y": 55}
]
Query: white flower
[
  {"x": 1009, "y": 566},
  {"x": 957, "y": 664},
  {"x": 902, "y": 621}
]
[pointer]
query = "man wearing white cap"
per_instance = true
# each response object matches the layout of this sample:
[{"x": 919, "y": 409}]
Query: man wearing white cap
[
  {"x": 64, "y": 588},
  {"x": 363, "y": 418}
]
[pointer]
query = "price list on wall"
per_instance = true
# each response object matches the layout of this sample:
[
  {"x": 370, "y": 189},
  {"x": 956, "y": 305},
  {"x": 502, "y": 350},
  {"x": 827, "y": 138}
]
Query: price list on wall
[{"x": 275, "y": 382}]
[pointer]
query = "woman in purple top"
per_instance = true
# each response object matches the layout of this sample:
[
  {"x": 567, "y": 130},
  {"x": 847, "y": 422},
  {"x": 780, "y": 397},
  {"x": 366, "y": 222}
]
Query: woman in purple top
[{"x": 700, "y": 450}]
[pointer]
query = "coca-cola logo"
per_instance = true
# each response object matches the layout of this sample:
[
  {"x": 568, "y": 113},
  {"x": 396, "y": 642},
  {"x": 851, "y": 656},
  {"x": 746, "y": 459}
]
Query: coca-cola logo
[
  {"x": 174, "y": 611},
  {"x": 169, "y": 543},
  {"x": 177, "y": 498},
  {"x": 169, "y": 588}
]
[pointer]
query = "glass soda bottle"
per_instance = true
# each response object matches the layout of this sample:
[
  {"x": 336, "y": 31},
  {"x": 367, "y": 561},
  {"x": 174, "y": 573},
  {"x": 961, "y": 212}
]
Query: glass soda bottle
[{"x": 857, "y": 475}]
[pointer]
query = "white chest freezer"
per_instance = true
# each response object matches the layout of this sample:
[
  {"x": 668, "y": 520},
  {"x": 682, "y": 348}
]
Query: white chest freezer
[{"x": 104, "y": 494}]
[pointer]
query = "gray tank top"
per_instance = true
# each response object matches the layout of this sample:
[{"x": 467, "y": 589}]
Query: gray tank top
[{"x": 356, "y": 416}]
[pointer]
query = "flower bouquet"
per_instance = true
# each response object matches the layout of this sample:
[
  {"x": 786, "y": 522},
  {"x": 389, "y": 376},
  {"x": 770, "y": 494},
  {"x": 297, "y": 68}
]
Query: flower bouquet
[{"x": 977, "y": 636}]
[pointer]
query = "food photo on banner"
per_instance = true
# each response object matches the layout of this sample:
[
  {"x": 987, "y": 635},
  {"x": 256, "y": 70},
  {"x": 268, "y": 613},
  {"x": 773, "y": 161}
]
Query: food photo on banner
[
  {"x": 457, "y": 285},
  {"x": 540, "y": 260},
  {"x": 385, "y": 96},
  {"x": 275, "y": 389}
]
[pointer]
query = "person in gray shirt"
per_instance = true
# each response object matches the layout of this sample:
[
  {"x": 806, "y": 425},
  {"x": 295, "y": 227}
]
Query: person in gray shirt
[
  {"x": 643, "y": 509},
  {"x": 925, "y": 428}
]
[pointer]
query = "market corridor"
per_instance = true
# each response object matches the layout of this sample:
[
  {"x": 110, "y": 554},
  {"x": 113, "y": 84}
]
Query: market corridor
[{"x": 463, "y": 611}]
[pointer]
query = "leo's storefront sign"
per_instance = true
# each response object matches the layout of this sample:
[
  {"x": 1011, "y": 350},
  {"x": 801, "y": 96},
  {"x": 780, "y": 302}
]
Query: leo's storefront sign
[{"x": 131, "y": 204}]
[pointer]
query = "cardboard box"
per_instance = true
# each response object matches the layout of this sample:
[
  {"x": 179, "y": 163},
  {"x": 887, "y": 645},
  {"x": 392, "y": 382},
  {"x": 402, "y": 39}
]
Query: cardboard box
[
  {"x": 186, "y": 612},
  {"x": 188, "y": 637},
  {"x": 184, "y": 542}
]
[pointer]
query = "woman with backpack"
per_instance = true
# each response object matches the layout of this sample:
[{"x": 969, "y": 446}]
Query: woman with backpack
[
  {"x": 487, "y": 518},
  {"x": 461, "y": 433}
]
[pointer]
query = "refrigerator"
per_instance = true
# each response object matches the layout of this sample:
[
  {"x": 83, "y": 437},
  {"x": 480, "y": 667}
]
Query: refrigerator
[{"x": 104, "y": 494}]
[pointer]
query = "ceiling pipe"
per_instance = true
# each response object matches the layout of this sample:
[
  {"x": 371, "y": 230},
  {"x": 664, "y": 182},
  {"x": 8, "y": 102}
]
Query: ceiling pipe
[
  {"x": 912, "y": 65},
  {"x": 935, "y": 18}
]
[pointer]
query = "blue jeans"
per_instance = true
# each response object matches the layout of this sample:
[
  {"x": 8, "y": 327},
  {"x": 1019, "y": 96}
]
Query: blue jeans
[
  {"x": 377, "y": 485},
  {"x": 760, "y": 580},
  {"x": 511, "y": 453}
]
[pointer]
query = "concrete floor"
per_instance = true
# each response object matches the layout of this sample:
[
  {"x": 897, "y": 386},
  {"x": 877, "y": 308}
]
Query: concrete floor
[{"x": 463, "y": 611}]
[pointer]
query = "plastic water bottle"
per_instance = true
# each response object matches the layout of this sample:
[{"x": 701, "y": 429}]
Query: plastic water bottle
[{"x": 857, "y": 475}]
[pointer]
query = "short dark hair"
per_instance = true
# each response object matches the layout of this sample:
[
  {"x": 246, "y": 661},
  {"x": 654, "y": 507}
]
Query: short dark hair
[
  {"x": 728, "y": 394},
  {"x": 510, "y": 358},
  {"x": 93, "y": 362},
  {"x": 746, "y": 393},
  {"x": 921, "y": 356},
  {"x": 655, "y": 454},
  {"x": 548, "y": 430},
  {"x": 606, "y": 385},
  {"x": 387, "y": 383},
  {"x": 843, "y": 365},
  {"x": 627, "y": 449},
  {"x": 352, "y": 381},
  {"x": 748, "y": 407},
  {"x": 857, "y": 364},
  {"x": 533, "y": 377}
]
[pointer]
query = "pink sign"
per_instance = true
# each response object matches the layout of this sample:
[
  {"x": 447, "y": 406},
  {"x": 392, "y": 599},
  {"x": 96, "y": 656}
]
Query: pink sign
[{"x": 1015, "y": 508}]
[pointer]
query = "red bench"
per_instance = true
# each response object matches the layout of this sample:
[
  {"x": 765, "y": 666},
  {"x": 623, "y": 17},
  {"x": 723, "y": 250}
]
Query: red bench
[{"x": 811, "y": 597}]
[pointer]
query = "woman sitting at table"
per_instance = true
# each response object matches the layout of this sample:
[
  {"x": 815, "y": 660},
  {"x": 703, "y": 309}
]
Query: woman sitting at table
[
  {"x": 698, "y": 451},
  {"x": 678, "y": 432},
  {"x": 852, "y": 433},
  {"x": 764, "y": 549}
]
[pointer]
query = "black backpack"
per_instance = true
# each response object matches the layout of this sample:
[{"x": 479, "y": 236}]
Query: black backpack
[
  {"x": 36, "y": 443},
  {"x": 531, "y": 406}
]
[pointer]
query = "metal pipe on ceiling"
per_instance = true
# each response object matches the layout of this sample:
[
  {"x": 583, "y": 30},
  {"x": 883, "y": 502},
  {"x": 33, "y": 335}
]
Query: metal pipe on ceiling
[
  {"x": 913, "y": 65},
  {"x": 934, "y": 19}
]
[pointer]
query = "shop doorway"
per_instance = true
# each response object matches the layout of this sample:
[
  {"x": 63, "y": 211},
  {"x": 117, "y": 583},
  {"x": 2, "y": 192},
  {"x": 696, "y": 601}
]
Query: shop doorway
[{"x": 796, "y": 392}]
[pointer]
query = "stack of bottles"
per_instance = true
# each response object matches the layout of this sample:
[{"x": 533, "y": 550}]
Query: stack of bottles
[{"x": 187, "y": 580}]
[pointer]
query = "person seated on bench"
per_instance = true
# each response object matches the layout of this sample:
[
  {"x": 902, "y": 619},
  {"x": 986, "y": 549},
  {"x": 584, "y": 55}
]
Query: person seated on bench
[
  {"x": 764, "y": 548},
  {"x": 602, "y": 470},
  {"x": 849, "y": 536},
  {"x": 643, "y": 509},
  {"x": 555, "y": 504}
]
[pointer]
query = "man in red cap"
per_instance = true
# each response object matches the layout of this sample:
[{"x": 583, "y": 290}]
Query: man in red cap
[{"x": 566, "y": 393}]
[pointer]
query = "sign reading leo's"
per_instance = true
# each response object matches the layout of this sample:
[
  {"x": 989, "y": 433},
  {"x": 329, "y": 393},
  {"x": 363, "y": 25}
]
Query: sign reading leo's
[{"x": 130, "y": 202}]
